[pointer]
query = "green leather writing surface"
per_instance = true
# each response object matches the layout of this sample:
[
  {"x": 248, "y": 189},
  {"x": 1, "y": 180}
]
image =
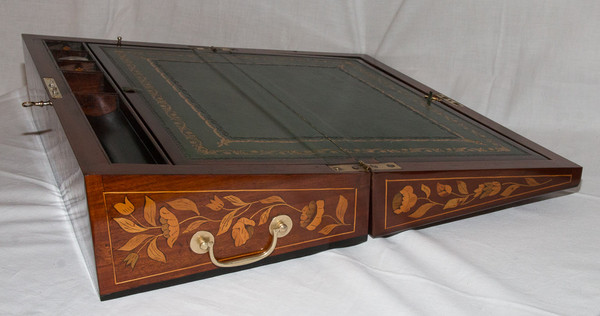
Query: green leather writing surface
[{"x": 252, "y": 106}]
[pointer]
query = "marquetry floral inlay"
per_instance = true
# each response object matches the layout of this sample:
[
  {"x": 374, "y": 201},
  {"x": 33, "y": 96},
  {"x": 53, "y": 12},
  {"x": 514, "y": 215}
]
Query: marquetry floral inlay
[
  {"x": 448, "y": 196},
  {"x": 234, "y": 215}
]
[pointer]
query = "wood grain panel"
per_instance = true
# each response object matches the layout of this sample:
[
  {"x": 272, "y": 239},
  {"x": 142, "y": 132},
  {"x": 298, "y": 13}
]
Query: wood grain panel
[
  {"x": 144, "y": 223},
  {"x": 417, "y": 200}
]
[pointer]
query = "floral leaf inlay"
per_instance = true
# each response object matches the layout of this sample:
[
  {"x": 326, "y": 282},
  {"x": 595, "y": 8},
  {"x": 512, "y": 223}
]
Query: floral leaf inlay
[
  {"x": 443, "y": 189},
  {"x": 150, "y": 211},
  {"x": 235, "y": 200},
  {"x": 317, "y": 220},
  {"x": 264, "y": 217},
  {"x": 531, "y": 182},
  {"x": 488, "y": 189},
  {"x": 134, "y": 242},
  {"x": 312, "y": 214},
  {"x": 129, "y": 226},
  {"x": 342, "y": 206},
  {"x": 242, "y": 231},
  {"x": 215, "y": 204},
  {"x": 510, "y": 190},
  {"x": 462, "y": 187},
  {"x": 170, "y": 226},
  {"x": 131, "y": 259},
  {"x": 406, "y": 199},
  {"x": 226, "y": 222},
  {"x": 422, "y": 210},
  {"x": 272, "y": 199},
  {"x": 327, "y": 229},
  {"x": 426, "y": 190},
  {"x": 184, "y": 205},
  {"x": 243, "y": 214},
  {"x": 154, "y": 253},
  {"x": 452, "y": 203},
  {"x": 194, "y": 225},
  {"x": 125, "y": 208}
]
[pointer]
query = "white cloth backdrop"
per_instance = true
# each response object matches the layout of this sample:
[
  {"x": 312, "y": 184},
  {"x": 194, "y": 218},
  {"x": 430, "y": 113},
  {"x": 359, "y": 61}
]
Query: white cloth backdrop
[{"x": 533, "y": 66}]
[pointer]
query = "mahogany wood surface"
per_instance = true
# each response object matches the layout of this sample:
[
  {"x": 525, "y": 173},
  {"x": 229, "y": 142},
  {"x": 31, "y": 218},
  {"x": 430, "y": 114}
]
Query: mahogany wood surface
[
  {"x": 142, "y": 225},
  {"x": 417, "y": 199}
]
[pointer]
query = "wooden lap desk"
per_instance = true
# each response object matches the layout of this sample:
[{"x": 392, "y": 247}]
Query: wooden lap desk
[{"x": 182, "y": 162}]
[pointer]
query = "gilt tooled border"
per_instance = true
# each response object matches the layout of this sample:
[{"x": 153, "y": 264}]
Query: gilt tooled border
[
  {"x": 226, "y": 139},
  {"x": 192, "y": 138},
  {"x": 223, "y": 140}
]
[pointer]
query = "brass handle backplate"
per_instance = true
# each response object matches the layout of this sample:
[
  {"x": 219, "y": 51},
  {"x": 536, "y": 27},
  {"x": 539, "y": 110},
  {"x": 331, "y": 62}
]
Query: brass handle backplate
[{"x": 203, "y": 242}]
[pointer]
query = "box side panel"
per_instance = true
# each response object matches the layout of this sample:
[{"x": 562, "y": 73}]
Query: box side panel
[
  {"x": 66, "y": 170},
  {"x": 410, "y": 200},
  {"x": 143, "y": 225}
]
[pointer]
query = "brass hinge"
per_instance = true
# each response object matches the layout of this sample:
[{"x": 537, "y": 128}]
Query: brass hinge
[
  {"x": 52, "y": 88},
  {"x": 430, "y": 97},
  {"x": 384, "y": 166},
  {"x": 361, "y": 166},
  {"x": 346, "y": 168}
]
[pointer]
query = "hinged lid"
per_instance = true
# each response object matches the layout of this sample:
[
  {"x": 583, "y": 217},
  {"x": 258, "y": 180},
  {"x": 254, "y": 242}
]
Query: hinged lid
[{"x": 291, "y": 108}]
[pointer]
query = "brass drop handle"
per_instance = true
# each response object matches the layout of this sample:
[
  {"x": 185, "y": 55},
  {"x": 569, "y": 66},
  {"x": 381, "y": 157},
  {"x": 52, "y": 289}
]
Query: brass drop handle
[
  {"x": 28, "y": 104},
  {"x": 203, "y": 242},
  {"x": 53, "y": 92}
]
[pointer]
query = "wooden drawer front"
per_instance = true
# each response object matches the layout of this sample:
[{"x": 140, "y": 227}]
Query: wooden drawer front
[
  {"x": 147, "y": 233},
  {"x": 411, "y": 201}
]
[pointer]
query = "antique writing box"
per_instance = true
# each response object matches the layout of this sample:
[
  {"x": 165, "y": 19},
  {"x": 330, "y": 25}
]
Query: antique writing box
[{"x": 182, "y": 162}]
